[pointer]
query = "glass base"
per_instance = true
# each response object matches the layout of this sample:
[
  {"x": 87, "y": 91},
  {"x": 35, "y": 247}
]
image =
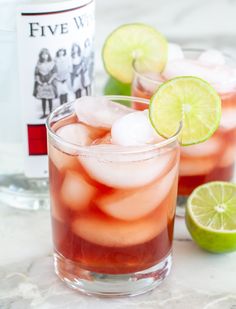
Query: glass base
[
  {"x": 181, "y": 205},
  {"x": 105, "y": 285},
  {"x": 24, "y": 193}
]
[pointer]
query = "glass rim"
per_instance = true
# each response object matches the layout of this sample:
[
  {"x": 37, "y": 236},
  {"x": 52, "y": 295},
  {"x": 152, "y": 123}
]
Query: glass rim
[
  {"x": 144, "y": 77},
  {"x": 93, "y": 150},
  {"x": 187, "y": 49}
]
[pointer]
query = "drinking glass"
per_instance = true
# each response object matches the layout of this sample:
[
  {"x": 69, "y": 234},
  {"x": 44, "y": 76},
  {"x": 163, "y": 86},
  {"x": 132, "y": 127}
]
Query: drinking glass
[
  {"x": 112, "y": 209},
  {"x": 211, "y": 160}
]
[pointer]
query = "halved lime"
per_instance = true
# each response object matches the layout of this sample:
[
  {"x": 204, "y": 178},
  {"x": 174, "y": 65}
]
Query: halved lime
[
  {"x": 134, "y": 42},
  {"x": 211, "y": 216},
  {"x": 189, "y": 100}
]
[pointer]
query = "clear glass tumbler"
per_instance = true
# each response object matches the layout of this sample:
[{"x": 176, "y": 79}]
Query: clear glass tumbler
[{"x": 112, "y": 208}]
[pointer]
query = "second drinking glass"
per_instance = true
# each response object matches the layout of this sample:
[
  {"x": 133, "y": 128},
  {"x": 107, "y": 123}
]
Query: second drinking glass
[{"x": 215, "y": 158}]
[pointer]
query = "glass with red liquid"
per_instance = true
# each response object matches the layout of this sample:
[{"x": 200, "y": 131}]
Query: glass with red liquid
[
  {"x": 211, "y": 160},
  {"x": 112, "y": 207}
]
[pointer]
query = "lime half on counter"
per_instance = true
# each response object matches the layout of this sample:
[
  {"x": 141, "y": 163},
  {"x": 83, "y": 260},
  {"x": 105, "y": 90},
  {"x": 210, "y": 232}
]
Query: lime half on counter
[{"x": 211, "y": 216}]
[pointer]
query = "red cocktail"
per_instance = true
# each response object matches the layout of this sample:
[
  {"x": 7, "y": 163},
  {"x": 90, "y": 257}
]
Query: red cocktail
[{"x": 113, "y": 206}]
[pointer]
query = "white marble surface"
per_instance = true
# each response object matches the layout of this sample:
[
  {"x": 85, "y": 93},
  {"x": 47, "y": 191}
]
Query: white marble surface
[
  {"x": 27, "y": 279},
  {"x": 198, "y": 280}
]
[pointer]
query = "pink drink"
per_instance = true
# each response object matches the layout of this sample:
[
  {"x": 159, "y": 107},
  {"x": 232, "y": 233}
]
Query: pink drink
[
  {"x": 208, "y": 161},
  {"x": 112, "y": 208}
]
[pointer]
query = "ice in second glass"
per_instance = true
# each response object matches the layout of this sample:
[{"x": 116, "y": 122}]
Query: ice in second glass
[
  {"x": 215, "y": 158},
  {"x": 113, "y": 196}
]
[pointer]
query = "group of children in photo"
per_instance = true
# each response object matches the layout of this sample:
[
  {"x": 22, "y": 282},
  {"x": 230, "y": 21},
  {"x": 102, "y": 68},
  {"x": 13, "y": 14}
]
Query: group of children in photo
[{"x": 64, "y": 75}]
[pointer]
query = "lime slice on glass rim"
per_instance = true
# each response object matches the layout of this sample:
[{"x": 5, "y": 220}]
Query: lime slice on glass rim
[
  {"x": 211, "y": 216},
  {"x": 134, "y": 42},
  {"x": 190, "y": 101}
]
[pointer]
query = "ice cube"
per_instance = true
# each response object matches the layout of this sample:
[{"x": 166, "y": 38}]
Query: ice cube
[
  {"x": 135, "y": 204},
  {"x": 228, "y": 117},
  {"x": 228, "y": 157},
  {"x": 76, "y": 192},
  {"x": 185, "y": 67},
  {"x": 213, "y": 146},
  {"x": 134, "y": 129},
  {"x": 79, "y": 134},
  {"x": 110, "y": 232},
  {"x": 174, "y": 52},
  {"x": 61, "y": 160},
  {"x": 126, "y": 171},
  {"x": 192, "y": 166},
  {"x": 220, "y": 77},
  {"x": 202, "y": 158},
  {"x": 212, "y": 57},
  {"x": 99, "y": 111}
]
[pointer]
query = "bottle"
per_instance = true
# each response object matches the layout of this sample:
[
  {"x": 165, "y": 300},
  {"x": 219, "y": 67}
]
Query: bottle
[{"x": 47, "y": 56}]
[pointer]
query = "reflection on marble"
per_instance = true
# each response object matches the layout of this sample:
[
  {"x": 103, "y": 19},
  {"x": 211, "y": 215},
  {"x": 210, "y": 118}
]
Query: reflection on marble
[{"x": 198, "y": 280}]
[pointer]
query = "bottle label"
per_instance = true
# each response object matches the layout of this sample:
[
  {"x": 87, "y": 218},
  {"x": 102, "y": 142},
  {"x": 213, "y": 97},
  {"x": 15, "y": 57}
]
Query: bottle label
[{"x": 55, "y": 45}]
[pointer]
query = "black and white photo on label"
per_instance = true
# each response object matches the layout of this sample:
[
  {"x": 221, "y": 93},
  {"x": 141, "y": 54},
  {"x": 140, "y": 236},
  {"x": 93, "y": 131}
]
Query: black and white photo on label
[
  {"x": 45, "y": 88},
  {"x": 63, "y": 78}
]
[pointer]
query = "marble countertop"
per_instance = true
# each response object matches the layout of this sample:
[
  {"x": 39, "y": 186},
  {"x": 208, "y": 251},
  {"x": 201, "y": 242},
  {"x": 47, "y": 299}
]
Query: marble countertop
[
  {"x": 27, "y": 279},
  {"x": 199, "y": 280}
]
